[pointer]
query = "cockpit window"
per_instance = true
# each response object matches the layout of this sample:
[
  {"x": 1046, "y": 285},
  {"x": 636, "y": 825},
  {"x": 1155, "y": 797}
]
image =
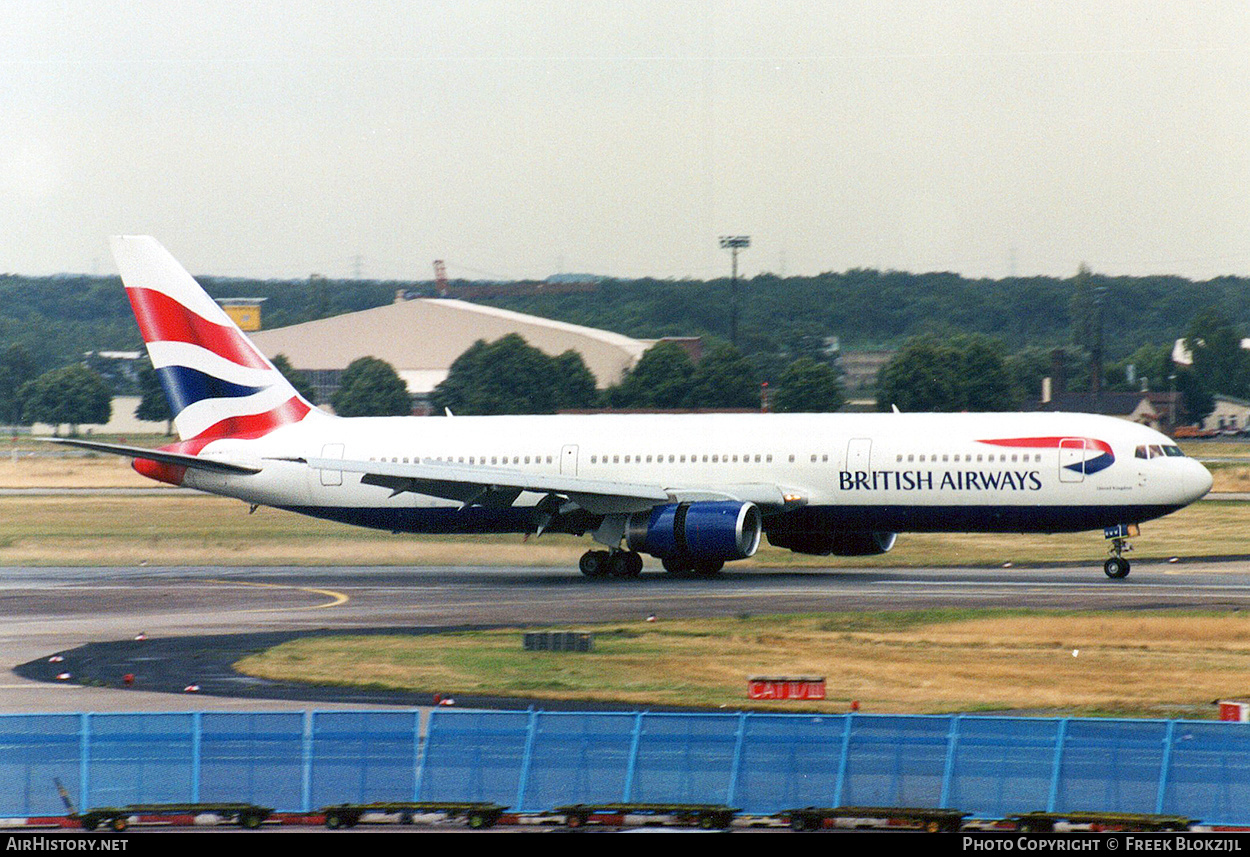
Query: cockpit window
[{"x": 1155, "y": 450}]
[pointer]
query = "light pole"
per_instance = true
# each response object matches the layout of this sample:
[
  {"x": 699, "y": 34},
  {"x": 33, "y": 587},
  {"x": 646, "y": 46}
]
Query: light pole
[
  {"x": 1100, "y": 298},
  {"x": 734, "y": 243}
]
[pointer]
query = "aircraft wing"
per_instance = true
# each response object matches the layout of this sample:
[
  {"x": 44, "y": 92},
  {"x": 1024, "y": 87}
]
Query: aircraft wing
[
  {"x": 194, "y": 462},
  {"x": 500, "y": 486}
]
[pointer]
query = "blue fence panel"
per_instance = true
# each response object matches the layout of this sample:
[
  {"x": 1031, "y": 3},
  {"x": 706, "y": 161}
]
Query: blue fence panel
[
  {"x": 763, "y": 763},
  {"x": 1002, "y": 765},
  {"x": 1111, "y": 765},
  {"x": 789, "y": 761},
  {"x": 140, "y": 758},
  {"x": 362, "y": 757},
  {"x": 578, "y": 758},
  {"x": 684, "y": 758},
  {"x": 896, "y": 761},
  {"x": 1209, "y": 772},
  {"x": 37, "y": 750},
  {"x": 252, "y": 758},
  {"x": 474, "y": 756}
]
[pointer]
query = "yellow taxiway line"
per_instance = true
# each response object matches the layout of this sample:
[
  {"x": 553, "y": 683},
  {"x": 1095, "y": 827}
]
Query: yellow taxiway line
[{"x": 336, "y": 598}]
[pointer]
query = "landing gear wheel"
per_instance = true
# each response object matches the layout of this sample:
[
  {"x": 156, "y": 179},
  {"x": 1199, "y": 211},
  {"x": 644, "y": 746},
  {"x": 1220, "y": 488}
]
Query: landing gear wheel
[
  {"x": 677, "y": 565},
  {"x": 1116, "y": 568},
  {"x": 708, "y": 567},
  {"x": 594, "y": 563},
  {"x": 618, "y": 564},
  {"x": 633, "y": 564}
]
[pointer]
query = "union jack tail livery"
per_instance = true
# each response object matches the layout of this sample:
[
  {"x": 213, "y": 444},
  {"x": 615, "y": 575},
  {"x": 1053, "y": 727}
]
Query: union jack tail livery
[{"x": 217, "y": 383}]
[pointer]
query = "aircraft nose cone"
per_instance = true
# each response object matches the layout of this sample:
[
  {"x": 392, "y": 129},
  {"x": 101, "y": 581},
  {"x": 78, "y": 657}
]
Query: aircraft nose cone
[{"x": 1197, "y": 481}]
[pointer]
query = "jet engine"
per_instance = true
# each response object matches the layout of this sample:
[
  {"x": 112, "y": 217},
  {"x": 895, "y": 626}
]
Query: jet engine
[
  {"x": 710, "y": 530},
  {"x": 838, "y": 542}
]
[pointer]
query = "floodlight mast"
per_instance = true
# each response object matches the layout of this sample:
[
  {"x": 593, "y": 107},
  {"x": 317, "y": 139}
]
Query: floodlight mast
[{"x": 734, "y": 243}]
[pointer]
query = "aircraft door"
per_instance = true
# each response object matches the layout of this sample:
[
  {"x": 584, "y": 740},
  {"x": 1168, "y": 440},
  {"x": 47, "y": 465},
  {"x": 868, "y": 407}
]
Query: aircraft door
[
  {"x": 568, "y": 460},
  {"x": 332, "y": 477},
  {"x": 859, "y": 455},
  {"x": 1072, "y": 459}
]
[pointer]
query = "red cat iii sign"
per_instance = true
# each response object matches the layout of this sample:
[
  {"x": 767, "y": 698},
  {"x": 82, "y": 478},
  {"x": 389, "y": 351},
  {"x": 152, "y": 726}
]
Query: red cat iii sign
[{"x": 786, "y": 687}]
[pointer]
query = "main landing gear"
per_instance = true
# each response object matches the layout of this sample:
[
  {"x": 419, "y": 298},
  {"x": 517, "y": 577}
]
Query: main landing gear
[
  {"x": 680, "y": 565},
  {"x": 600, "y": 564},
  {"x": 610, "y": 563}
]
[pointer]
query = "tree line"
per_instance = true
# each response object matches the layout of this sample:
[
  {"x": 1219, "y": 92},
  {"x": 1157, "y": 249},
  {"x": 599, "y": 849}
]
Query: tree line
[
  {"x": 964, "y": 344},
  {"x": 58, "y": 319},
  {"x": 510, "y": 376}
]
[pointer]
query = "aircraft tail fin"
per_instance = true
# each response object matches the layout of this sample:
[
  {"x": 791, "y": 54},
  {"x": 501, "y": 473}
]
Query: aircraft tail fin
[{"x": 218, "y": 384}]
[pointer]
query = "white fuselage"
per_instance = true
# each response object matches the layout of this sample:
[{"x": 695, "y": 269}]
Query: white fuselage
[{"x": 895, "y": 472}]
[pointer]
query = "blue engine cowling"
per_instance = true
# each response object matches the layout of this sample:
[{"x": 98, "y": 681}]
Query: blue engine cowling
[{"x": 712, "y": 530}]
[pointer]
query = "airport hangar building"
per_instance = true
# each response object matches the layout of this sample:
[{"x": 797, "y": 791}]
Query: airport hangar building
[{"x": 422, "y": 337}]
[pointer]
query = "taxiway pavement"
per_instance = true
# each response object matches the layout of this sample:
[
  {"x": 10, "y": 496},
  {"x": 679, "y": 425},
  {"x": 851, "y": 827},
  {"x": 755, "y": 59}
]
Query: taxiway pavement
[{"x": 49, "y": 610}]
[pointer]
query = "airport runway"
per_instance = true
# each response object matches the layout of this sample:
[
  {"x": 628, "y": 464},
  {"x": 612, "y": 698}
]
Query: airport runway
[{"x": 48, "y": 610}]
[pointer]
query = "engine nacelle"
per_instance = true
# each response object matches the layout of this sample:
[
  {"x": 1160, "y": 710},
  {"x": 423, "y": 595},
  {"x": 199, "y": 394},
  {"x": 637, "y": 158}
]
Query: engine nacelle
[
  {"x": 713, "y": 530},
  {"x": 838, "y": 542}
]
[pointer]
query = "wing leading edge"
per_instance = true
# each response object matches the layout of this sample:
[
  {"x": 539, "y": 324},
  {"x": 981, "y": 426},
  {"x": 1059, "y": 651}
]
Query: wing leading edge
[{"x": 497, "y": 486}]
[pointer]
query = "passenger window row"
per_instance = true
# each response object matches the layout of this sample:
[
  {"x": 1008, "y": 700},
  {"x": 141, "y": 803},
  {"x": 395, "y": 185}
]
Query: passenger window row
[{"x": 980, "y": 458}]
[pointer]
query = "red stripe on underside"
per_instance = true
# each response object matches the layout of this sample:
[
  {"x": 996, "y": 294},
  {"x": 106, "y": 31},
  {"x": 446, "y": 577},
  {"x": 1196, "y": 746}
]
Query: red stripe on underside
[
  {"x": 163, "y": 319},
  {"x": 1047, "y": 442}
]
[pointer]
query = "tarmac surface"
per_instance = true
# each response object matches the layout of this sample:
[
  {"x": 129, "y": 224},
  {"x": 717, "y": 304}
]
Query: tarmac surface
[{"x": 197, "y": 621}]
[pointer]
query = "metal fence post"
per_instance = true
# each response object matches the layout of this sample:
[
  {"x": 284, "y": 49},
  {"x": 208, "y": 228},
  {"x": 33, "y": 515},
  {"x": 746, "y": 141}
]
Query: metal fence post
[
  {"x": 526, "y": 756},
  {"x": 425, "y": 750},
  {"x": 197, "y": 735},
  {"x": 1061, "y": 736},
  {"x": 306, "y": 767},
  {"x": 1165, "y": 768},
  {"x": 418, "y": 755},
  {"x": 84, "y": 762},
  {"x": 952, "y": 740},
  {"x": 633, "y": 759},
  {"x": 736, "y": 766},
  {"x": 846, "y": 751}
]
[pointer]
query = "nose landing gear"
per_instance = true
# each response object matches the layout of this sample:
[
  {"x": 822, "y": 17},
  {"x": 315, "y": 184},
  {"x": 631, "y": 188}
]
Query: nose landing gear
[{"x": 1117, "y": 567}]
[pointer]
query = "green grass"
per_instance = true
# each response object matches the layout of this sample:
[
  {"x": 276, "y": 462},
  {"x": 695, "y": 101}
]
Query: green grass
[{"x": 920, "y": 661}]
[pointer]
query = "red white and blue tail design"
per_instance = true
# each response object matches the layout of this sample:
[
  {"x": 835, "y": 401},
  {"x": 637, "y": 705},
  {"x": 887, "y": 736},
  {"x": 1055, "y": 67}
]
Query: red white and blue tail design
[{"x": 217, "y": 383}]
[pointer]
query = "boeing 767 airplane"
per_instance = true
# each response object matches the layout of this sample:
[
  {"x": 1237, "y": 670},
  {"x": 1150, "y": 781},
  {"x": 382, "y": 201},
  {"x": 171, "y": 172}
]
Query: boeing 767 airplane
[{"x": 695, "y": 491}]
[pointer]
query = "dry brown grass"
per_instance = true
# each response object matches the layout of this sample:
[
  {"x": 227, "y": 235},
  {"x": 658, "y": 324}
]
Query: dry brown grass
[
  {"x": 69, "y": 471},
  {"x": 201, "y": 529},
  {"x": 1127, "y": 664},
  {"x": 1226, "y": 479},
  {"x": 182, "y": 529}
]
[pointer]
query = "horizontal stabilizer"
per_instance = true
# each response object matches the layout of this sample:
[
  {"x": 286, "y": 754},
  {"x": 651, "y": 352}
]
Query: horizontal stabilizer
[{"x": 192, "y": 461}]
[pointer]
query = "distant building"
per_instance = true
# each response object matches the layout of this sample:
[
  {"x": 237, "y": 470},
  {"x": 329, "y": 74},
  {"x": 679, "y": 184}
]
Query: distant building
[
  {"x": 245, "y": 312},
  {"x": 1230, "y": 415},
  {"x": 421, "y": 338},
  {"x": 1134, "y": 407},
  {"x": 122, "y": 421},
  {"x": 860, "y": 368}
]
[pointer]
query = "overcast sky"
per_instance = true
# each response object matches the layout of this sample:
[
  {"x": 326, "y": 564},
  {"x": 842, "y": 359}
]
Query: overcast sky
[{"x": 521, "y": 139}]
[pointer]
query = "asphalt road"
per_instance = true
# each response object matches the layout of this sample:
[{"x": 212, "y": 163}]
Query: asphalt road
[{"x": 53, "y": 610}]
